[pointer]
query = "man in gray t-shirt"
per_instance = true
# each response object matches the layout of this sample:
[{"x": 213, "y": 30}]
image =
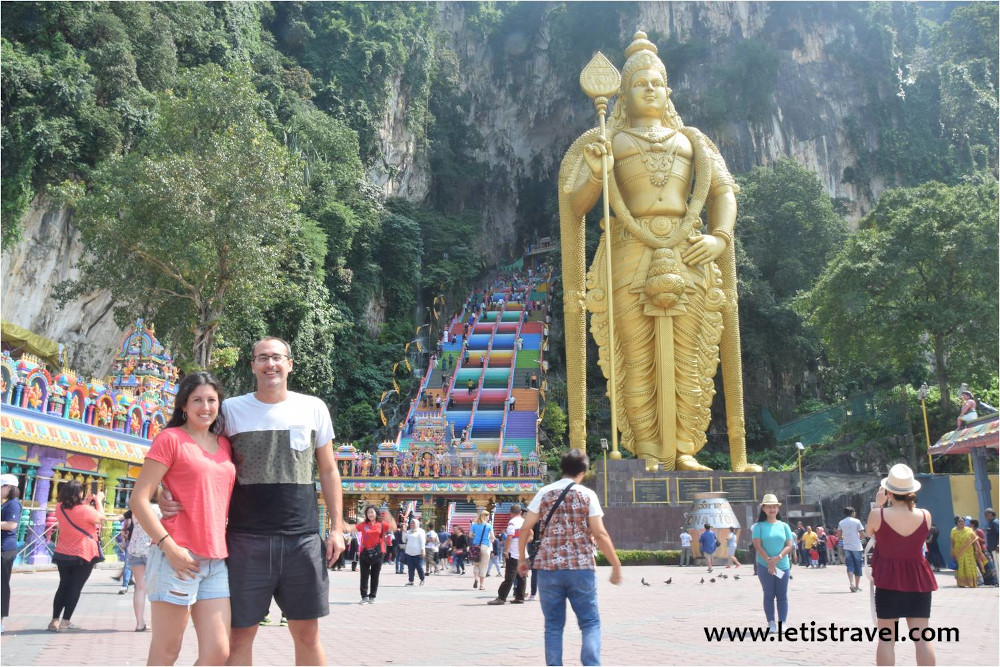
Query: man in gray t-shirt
[{"x": 850, "y": 531}]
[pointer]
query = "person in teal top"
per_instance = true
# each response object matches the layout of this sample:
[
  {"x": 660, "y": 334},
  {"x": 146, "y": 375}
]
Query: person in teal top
[
  {"x": 773, "y": 540},
  {"x": 481, "y": 538}
]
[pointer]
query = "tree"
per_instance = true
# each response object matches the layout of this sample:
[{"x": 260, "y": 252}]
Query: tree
[
  {"x": 917, "y": 281},
  {"x": 191, "y": 227}
]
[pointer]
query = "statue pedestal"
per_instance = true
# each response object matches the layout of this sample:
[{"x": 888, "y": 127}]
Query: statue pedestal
[{"x": 646, "y": 510}]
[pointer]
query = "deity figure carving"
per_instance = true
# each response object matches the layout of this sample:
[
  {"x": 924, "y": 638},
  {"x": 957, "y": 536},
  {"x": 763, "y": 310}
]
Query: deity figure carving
[
  {"x": 74, "y": 408},
  {"x": 34, "y": 396},
  {"x": 674, "y": 280}
]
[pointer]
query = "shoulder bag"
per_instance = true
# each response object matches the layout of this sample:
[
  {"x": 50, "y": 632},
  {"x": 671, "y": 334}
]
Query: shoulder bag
[
  {"x": 100, "y": 552},
  {"x": 476, "y": 550},
  {"x": 540, "y": 533}
]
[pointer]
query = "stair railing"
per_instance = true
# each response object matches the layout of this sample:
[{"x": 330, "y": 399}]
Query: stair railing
[
  {"x": 485, "y": 367},
  {"x": 510, "y": 385}
]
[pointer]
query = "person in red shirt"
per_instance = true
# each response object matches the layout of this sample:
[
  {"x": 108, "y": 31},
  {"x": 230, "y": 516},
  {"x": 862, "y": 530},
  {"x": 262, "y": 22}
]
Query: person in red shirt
[
  {"x": 372, "y": 533},
  {"x": 77, "y": 549},
  {"x": 186, "y": 572}
]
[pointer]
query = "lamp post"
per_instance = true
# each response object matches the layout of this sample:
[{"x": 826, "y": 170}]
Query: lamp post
[
  {"x": 802, "y": 489},
  {"x": 604, "y": 446},
  {"x": 927, "y": 431}
]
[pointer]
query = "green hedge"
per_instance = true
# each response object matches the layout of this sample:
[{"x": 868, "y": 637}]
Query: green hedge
[{"x": 669, "y": 557}]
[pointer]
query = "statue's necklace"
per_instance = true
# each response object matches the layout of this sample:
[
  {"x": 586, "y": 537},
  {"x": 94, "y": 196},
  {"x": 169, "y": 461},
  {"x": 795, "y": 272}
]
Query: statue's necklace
[{"x": 659, "y": 160}]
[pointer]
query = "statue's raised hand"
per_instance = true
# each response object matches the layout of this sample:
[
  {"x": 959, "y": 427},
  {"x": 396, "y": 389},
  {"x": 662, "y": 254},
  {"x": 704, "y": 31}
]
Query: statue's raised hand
[
  {"x": 594, "y": 153},
  {"x": 703, "y": 249}
]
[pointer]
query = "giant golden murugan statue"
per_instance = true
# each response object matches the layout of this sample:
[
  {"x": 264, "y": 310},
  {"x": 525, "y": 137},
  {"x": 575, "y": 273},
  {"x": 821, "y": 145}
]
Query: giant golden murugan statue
[{"x": 674, "y": 285}]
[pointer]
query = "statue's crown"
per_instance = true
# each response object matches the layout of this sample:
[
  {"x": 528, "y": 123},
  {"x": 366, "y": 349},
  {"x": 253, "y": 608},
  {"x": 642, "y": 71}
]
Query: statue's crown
[
  {"x": 641, "y": 54},
  {"x": 639, "y": 43}
]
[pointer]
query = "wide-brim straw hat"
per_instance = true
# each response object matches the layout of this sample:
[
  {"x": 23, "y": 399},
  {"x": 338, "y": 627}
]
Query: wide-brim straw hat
[
  {"x": 900, "y": 480},
  {"x": 769, "y": 499}
]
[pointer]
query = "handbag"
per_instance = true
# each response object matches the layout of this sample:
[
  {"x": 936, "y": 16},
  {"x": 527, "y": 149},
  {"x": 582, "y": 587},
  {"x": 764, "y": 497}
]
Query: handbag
[
  {"x": 374, "y": 555},
  {"x": 100, "y": 552},
  {"x": 533, "y": 546},
  {"x": 476, "y": 550}
]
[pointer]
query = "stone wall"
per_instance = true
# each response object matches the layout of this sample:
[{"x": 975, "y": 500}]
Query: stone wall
[{"x": 657, "y": 525}]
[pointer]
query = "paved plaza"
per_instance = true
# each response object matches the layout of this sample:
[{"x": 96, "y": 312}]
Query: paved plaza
[{"x": 446, "y": 622}]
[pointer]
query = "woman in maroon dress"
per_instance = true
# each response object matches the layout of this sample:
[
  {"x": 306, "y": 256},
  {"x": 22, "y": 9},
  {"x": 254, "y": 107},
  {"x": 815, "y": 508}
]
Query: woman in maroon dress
[{"x": 903, "y": 578}]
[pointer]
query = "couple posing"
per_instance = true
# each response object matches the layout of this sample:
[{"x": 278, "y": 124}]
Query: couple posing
[{"x": 252, "y": 459}]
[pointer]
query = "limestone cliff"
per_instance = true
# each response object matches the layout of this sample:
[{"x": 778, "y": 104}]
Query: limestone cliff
[
  {"x": 46, "y": 256},
  {"x": 521, "y": 80}
]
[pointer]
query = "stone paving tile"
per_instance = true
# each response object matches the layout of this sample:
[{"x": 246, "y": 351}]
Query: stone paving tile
[{"x": 441, "y": 623}]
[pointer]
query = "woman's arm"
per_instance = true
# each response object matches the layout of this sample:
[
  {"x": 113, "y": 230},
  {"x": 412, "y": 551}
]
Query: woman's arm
[{"x": 142, "y": 510}]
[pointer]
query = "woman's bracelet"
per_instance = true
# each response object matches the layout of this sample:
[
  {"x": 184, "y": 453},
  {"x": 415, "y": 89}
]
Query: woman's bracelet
[{"x": 162, "y": 538}]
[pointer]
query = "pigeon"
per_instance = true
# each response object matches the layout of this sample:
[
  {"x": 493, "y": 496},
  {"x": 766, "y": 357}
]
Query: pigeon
[
  {"x": 702, "y": 580},
  {"x": 712, "y": 580},
  {"x": 669, "y": 581},
  {"x": 644, "y": 582},
  {"x": 723, "y": 576},
  {"x": 736, "y": 577}
]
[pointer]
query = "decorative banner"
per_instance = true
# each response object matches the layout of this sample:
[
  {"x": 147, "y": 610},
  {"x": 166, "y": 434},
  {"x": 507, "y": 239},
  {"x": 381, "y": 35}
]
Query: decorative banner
[{"x": 382, "y": 415}]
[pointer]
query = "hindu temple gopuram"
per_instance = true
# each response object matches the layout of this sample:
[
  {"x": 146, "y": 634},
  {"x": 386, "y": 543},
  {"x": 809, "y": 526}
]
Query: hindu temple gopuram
[{"x": 59, "y": 426}]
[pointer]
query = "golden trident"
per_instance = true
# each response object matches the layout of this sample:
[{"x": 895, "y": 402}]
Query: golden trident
[{"x": 600, "y": 80}]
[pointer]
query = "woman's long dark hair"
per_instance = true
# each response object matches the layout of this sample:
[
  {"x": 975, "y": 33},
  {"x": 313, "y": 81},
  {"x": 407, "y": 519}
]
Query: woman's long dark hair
[
  {"x": 184, "y": 391},
  {"x": 762, "y": 516},
  {"x": 69, "y": 494}
]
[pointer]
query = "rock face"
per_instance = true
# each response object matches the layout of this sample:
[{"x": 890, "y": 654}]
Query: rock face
[
  {"x": 46, "y": 256},
  {"x": 528, "y": 112}
]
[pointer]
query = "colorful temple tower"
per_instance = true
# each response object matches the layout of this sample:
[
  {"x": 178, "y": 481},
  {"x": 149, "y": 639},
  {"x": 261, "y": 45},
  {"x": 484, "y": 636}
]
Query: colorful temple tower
[{"x": 59, "y": 426}]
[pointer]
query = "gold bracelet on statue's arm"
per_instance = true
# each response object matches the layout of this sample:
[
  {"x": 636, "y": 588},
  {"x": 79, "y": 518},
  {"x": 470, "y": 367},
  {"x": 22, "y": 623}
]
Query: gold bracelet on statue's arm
[{"x": 724, "y": 235}]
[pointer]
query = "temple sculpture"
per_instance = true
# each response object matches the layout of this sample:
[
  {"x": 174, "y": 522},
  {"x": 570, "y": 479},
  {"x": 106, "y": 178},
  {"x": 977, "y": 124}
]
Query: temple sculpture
[{"x": 673, "y": 307}]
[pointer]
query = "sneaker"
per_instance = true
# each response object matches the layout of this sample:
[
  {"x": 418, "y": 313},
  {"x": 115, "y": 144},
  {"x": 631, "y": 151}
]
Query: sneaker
[
  {"x": 531, "y": 598},
  {"x": 772, "y": 628},
  {"x": 283, "y": 622},
  {"x": 421, "y": 582},
  {"x": 497, "y": 601},
  {"x": 371, "y": 600},
  {"x": 364, "y": 600},
  {"x": 409, "y": 583},
  {"x": 267, "y": 620},
  {"x": 123, "y": 590}
]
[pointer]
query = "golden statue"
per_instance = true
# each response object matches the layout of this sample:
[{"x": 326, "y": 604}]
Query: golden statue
[{"x": 673, "y": 305}]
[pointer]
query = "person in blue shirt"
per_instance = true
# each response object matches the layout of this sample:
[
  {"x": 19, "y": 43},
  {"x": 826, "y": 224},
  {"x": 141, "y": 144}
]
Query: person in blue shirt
[
  {"x": 773, "y": 540},
  {"x": 11, "y": 512},
  {"x": 708, "y": 543}
]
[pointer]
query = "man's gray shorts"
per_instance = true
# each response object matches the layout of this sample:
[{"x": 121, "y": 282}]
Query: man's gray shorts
[{"x": 289, "y": 568}]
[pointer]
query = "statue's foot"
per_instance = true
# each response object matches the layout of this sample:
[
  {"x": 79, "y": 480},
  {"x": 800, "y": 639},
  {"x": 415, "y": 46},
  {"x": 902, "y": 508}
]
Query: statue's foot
[
  {"x": 652, "y": 465},
  {"x": 688, "y": 462},
  {"x": 750, "y": 467}
]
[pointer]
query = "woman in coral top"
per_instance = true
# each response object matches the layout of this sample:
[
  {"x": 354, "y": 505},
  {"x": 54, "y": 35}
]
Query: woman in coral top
[
  {"x": 903, "y": 578},
  {"x": 186, "y": 571},
  {"x": 77, "y": 549}
]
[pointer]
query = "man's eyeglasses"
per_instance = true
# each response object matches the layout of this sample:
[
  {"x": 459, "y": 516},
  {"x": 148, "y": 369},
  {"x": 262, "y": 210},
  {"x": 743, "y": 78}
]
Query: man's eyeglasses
[{"x": 276, "y": 358}]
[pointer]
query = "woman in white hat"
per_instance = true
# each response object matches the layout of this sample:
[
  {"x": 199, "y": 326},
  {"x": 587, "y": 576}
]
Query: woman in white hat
[
  {"x": 773, "y": 540},
  {"x": 903, "y": 578}
]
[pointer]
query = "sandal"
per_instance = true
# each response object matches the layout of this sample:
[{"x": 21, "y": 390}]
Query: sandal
[
  {"x": 70, "y": 626},
  {"x": 53, "y": 627},
  {"x": 142, "y": 629}
]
